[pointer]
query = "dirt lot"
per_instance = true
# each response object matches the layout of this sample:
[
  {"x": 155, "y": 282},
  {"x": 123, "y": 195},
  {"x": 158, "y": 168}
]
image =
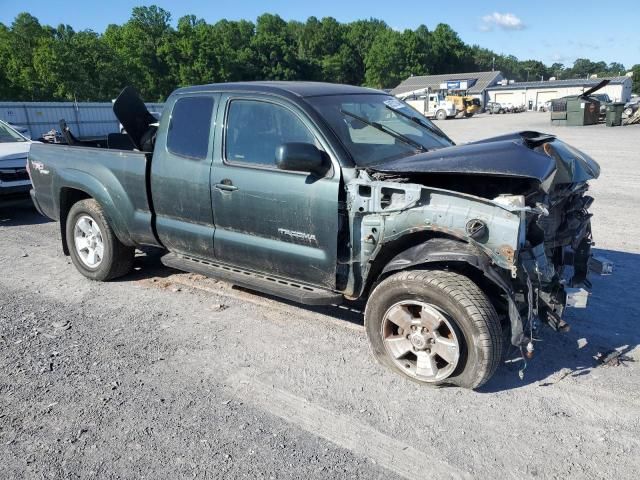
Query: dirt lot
[{"x": 171, "y": 375}]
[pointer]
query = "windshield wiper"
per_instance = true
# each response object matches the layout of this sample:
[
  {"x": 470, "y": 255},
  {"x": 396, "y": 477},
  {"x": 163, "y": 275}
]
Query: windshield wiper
[
  {"x": 417, "y": 120},
  {"x": 387, "y": 130}
]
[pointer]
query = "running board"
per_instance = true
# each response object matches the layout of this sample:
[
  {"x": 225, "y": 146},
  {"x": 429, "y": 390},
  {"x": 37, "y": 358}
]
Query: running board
[{"x": 268, "y": 284}]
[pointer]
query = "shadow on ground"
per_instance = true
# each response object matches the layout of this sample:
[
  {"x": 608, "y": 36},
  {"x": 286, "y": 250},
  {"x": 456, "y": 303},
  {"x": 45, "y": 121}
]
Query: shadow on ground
[
  {"x": 20, "y": 211},
  {"x": 609, "y": 322},
  {"x": 147, "y": 265}
]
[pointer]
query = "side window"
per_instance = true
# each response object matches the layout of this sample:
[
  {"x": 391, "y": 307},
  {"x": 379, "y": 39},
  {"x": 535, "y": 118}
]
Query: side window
[
  {"x": 255, "y": 129},
  {"x": 189, "y": 127}
]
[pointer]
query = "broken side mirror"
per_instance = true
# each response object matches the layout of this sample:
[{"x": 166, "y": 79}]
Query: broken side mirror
[{"x": 299, "y": 157}]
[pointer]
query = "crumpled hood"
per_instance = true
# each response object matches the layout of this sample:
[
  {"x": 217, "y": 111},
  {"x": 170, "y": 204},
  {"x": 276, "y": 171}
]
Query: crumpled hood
[
  {"x": 524, "y": 154},
  {"x": 14, "y": 151}
]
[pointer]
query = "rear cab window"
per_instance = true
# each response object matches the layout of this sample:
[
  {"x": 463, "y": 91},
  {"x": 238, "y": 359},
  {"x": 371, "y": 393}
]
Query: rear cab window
[{"x": 189, "y": 127}]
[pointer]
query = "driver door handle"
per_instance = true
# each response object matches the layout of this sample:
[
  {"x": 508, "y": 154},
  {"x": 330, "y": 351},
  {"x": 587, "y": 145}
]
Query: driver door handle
[{"x": 226, "y": 185}]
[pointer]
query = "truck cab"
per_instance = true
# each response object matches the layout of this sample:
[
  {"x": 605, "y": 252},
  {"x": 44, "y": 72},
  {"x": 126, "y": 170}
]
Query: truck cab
[{"x": 431, "y": 104}]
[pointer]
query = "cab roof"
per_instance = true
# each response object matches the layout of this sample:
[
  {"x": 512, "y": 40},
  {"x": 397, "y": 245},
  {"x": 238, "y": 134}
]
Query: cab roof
[{"x": 297, "y": 89}]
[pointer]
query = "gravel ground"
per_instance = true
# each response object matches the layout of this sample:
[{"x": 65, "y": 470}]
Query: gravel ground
[{"x": 170, "y": 375}]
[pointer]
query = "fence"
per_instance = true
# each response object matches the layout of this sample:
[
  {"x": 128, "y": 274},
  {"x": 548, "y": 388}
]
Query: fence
[{"x": 90, "y": 119}]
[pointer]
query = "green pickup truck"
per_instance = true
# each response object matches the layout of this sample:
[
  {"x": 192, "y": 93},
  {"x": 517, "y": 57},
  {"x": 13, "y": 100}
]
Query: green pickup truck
[{"x": 321, "y": 193}]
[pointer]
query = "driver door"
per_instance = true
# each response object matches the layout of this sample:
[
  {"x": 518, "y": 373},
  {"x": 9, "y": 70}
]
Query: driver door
[{"x": 268, "y": 220}]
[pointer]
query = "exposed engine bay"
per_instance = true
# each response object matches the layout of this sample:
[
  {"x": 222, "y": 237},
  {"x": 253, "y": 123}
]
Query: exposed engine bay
[{"x": 522, "y": 205}]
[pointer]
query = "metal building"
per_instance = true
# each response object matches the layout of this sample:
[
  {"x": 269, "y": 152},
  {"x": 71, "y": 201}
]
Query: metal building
[
  {"x": 90, "y": 119},
  {"x": 534, "y": 94},
  {"x": 474, "y": 83}
]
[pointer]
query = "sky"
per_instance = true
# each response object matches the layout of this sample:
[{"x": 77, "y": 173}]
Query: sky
[{"x": 549, "y": 31}]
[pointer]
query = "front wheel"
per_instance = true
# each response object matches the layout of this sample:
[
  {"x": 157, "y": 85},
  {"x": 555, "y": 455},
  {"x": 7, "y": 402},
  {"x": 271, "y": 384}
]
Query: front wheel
[
  {"x": 441, "y": 115},
  {"x": 95, "y": 250},
  {"x": 628, "y": 112},
  {"x": 435, "y": 327}
]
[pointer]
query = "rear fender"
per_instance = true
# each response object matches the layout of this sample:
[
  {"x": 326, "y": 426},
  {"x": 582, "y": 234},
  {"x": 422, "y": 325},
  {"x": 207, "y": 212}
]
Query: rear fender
[{"x": 116, "y": 214}]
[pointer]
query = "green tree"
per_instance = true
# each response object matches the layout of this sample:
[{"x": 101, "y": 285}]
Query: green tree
[
  {"x": 17, "y": 52},
  {"x": 139, "y": 44},
  {"x": 43, "y": 63},
  {"x": 360, "y": 36},
  {"x": 635, "y": 70},
  {"x": 274, "y": 50}
]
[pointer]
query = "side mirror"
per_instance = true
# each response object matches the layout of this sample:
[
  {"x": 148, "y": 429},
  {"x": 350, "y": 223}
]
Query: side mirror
[{"x": 299, "y": 157}]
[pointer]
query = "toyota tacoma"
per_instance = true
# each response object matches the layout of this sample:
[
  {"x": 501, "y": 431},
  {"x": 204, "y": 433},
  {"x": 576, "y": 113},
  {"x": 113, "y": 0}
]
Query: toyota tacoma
[{"x": 321, "y": 193}]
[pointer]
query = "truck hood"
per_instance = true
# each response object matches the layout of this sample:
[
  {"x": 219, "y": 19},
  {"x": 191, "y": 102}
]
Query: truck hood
[
  {"x": 524, "y": 154},
  {"x": 14, "y": 151}
]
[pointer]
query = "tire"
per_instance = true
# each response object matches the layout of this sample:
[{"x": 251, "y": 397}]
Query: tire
[
  {"x": 467, "y": 318},
  {"x": 88, "y": 231},
  {"x": 628, "y": 112},
  {"x": 441, "y": 115}
]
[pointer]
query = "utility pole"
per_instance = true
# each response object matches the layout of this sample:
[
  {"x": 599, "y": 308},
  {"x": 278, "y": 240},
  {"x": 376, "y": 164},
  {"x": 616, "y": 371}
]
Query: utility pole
[{"x": 493, "y": 64}]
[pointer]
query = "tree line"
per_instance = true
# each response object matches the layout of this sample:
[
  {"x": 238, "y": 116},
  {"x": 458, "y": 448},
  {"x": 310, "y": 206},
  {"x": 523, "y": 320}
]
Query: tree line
[{"x": 39, "y": 62}]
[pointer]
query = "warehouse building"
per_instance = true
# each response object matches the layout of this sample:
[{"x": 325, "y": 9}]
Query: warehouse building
[
  {"x": 474, "y": 84},
  {"x": 534, "y": 94}
]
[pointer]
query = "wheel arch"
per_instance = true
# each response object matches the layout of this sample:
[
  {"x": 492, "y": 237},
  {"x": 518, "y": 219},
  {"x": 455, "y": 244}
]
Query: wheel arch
[
  {"x": 70, "y": 195},
  {"x": 438, "y": 251}
]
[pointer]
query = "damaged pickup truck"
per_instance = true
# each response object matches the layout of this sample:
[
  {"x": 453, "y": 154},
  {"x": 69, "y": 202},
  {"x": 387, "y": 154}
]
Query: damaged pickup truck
[{"x": 319, "y": 193}]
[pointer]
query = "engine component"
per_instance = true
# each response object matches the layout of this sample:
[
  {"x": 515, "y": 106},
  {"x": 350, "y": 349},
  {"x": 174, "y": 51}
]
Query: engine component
[
  {"x": 601, "y": 265},
  {"x": 577, "y": 297}
]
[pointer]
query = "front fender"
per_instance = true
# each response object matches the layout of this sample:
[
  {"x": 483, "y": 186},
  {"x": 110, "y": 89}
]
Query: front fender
[{"x": 448, "y": 251}]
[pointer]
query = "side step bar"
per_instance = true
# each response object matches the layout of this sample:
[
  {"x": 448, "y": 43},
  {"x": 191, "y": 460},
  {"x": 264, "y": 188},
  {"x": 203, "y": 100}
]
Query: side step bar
[{"x": 268, "y": 284}]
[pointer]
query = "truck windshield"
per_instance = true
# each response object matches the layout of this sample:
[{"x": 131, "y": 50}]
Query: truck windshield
[
  {"x": 9, "y": 135},
  {"x": 377, "y": 128}
]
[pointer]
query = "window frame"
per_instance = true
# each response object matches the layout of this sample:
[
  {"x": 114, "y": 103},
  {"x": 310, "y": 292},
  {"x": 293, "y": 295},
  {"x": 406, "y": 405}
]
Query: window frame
[
  {"x": 260, "y": 166},
  {"x": 207, "y": 155}
]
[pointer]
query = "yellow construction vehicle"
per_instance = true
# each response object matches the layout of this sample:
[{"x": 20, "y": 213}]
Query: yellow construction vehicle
[{"x": 466, "y": 106}]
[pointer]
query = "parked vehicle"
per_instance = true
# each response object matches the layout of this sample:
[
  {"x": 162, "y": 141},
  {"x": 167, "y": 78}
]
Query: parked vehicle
[
  {"x": 14, "y": 147},
  {"x": 321, "y": 193},
  {"x": 604, "y": 99},
  {"x": 631, "y": 106},
  {"x": 431, "y": 105},
  {"x": 21, "y": 130},
  {"x": 466, "y": 106},
  {"x": 494, "y": 107}
]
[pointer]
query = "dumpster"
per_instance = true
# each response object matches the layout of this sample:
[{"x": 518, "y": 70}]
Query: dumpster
[{"x": 614, "y": 114}]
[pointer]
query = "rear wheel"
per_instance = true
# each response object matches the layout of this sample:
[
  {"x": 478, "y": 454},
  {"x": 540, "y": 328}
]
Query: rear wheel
[
  {"x": 435, "y": 327},
  {"x": 95, "y": 250}
]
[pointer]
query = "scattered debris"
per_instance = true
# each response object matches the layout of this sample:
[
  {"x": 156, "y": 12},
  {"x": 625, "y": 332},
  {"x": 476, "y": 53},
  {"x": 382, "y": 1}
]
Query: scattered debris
[
  {"x": 219, "y": 307},
  {"x": 613, "y": 358},
  {"x": 582, "y": 342},
  {"x": 62, "y": 325}
]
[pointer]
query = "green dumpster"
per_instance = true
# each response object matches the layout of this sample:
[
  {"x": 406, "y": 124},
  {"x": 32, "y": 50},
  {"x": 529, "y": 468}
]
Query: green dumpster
[{"x": 614, "y": 114}]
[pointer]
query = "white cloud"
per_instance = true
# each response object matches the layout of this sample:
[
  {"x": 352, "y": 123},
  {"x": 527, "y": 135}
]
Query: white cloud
[{"x": 505, "y": 21}]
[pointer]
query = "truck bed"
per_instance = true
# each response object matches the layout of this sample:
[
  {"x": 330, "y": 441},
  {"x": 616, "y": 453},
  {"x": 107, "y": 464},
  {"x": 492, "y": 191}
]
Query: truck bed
[{"x": 117, "y": 179}]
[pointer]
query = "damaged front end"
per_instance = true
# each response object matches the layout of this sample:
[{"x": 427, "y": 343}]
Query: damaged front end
[{"x": 514, "y": 208}]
